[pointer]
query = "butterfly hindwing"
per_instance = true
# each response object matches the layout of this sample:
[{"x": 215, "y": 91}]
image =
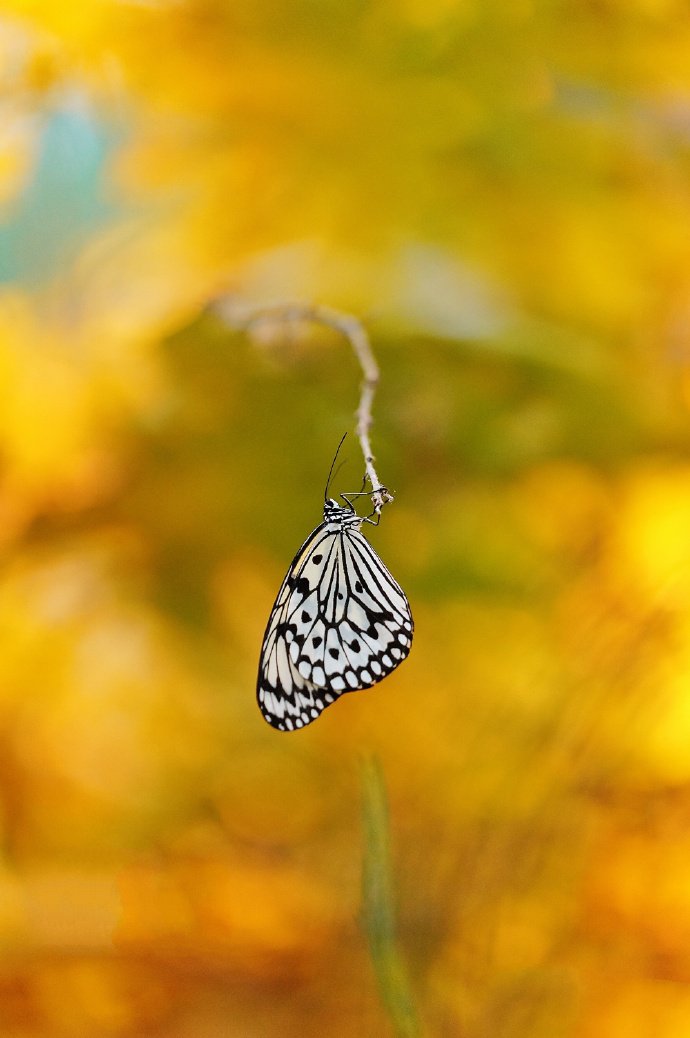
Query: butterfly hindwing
[{"x": 340, "y": 622}]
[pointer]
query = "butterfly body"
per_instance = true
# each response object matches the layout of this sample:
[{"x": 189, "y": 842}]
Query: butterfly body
[{"x": 340, "y": 622}]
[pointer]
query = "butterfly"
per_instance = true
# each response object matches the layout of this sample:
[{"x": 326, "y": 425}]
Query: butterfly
[{"x": 340, "y": 622}]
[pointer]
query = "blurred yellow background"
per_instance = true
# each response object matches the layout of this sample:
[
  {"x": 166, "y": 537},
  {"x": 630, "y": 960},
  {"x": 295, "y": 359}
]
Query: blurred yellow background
[{"x": 495, "y": 842}]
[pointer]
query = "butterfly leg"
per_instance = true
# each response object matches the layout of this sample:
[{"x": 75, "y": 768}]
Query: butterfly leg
[{"x": 363, "y": 493}]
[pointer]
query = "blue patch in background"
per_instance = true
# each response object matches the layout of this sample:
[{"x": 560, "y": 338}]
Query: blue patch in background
[{"x": 63, "y": 202}]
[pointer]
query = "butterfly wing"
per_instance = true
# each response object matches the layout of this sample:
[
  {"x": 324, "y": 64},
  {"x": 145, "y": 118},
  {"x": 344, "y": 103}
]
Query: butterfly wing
[
  {"x": 340, "y": 622},
  {"x": 376, "y": 630},
  {"x": 285, "y": 698}
]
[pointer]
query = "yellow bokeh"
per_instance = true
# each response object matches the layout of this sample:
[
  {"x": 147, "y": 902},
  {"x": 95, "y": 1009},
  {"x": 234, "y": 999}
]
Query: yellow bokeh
[{"x": 492, "y": 841}]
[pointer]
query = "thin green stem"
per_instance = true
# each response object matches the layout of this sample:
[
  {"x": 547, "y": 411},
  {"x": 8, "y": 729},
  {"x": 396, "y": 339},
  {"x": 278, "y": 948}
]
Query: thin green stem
[{"x": 378, "y": 909}]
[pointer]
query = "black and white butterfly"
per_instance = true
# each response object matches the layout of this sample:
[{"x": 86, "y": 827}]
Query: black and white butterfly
[{"x": 340, "y": 622}]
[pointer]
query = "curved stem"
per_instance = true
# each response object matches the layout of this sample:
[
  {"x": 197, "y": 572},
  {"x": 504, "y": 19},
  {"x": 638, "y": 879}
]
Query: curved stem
[{"x": 353, "y": 330}]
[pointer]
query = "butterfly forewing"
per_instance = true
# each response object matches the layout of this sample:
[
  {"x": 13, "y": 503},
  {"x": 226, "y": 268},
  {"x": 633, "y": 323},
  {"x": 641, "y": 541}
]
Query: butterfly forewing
[{"x": 340, "y": 622}]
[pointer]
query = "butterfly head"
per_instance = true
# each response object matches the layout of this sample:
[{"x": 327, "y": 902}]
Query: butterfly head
[{"x": 342, "y": 517}]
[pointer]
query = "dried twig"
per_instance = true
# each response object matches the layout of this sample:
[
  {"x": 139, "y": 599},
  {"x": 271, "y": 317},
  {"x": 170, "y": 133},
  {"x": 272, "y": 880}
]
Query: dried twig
[{"x": 354, "y": 332}]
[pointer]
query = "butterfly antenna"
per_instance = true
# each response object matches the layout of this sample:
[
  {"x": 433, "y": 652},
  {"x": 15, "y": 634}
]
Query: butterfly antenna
[{"x": 330, "y": 471}]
